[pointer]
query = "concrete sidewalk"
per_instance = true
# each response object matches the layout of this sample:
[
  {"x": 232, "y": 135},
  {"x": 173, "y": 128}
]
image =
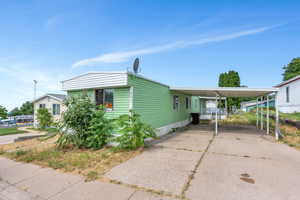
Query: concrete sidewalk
[
  {"x": 21, "y": 181},
  {"x": 8, "y": 139},
  {"x": 240, "y": 163}
]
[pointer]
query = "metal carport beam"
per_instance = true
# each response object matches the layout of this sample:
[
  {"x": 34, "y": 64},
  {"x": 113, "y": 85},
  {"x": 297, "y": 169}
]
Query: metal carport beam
[{"x": 231, "y": 92}]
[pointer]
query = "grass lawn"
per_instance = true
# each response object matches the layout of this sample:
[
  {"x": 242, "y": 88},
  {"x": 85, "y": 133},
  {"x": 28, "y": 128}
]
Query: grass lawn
[
  {"x": 291, "y": 116},
  {"x": 90, "y": 163},
  {"x": 10, "y": 131}
]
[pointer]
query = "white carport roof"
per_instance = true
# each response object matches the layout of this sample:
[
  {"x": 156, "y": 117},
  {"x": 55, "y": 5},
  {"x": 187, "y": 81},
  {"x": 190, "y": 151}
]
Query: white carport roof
[{"x": 226, "y": 91}]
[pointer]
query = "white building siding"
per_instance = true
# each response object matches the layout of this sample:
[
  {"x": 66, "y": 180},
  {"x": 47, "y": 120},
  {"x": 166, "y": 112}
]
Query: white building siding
[
  {"x": 294, "y": 97},
  {"x": 96, "y": 80},
  {"x": 48, "y": 101}
]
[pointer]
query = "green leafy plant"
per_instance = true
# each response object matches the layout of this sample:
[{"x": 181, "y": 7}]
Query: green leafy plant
[
  {"x": 132, "y": 132},
  {"x": 3, "y": 112},
  {"x": 44, "y": 118},
  {"x": 84, "y": 125},
  {"x": 76, "y": 121},
  {"x": 100, "y": 130}
]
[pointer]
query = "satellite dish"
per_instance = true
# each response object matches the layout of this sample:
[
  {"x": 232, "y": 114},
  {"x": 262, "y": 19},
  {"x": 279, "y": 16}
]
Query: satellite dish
[{"x": 136, "y": 65}]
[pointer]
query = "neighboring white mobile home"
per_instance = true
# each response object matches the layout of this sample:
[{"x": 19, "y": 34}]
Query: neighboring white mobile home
[
  {"x": 53, "y": 102},
  {"x": 289, "y": 95}
]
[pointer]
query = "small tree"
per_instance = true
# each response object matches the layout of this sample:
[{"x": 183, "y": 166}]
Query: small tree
[
  {"x": 44, "y": 118},
  {"x": 26, "y": 108},
  {"x": 230, "y": 79},
  {"x": 100, "y": 130},
  {"x": 14, "y": 112},
  {"x": 76, "y": 121},
  {"x": 133, "y": 131},
  {"x": 292, "y": 69},
  {"x": 3, "y": 112}
]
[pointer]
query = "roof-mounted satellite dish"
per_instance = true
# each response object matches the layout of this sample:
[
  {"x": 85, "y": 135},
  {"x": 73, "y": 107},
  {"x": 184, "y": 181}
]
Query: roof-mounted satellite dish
[{"x": 136, "y": 65}]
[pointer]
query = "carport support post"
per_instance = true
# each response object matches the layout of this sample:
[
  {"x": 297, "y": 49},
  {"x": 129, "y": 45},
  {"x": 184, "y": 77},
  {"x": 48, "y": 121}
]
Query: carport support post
[
  {"x": 226, "y": 109},
  {"x": 268, "y": 115},
  {"x": 216, "y": 119},
  {"x": 277, "y": 117},
  {"x": 257, "y": 113},
  {"x": 261, "y": 114}
]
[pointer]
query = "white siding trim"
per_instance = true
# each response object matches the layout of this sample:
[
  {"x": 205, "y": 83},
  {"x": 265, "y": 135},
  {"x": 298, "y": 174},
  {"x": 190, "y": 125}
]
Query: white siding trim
[
  {"x": 96, "y": 80},
  {"x": 131, "y": 98}
]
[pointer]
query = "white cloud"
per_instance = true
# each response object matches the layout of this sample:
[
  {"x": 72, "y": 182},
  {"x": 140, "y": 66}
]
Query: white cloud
[
  {"x": 52, "y": 22},
  {"x": 117, "y": 57},
  {"x": 17, "y": 84}
]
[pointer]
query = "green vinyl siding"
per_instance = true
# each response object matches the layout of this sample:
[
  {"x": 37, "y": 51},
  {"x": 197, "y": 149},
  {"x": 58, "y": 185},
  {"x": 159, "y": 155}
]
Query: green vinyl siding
[
  {"x": 195, "y": 104},
  {"x": 89, "y": 92},
  {"x": 120, "y": 102},
  {"x": 154, "y": 102}
]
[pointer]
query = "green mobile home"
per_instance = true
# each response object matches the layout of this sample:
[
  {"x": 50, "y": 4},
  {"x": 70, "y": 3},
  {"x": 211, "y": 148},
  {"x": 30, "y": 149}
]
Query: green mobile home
[{"x": 120, "y": 92}]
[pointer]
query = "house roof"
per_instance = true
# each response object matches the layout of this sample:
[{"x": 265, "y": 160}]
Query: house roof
[
  {"x": 254, "y": 102},
  {"x": 59, "y": 97},
  {"x": 296, "y": 78},
  {"x": 101, "y": 80},
  {"x": 226, "y": 91}
]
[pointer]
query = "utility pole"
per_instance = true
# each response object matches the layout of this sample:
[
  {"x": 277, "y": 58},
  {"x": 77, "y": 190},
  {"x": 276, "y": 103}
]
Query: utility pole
[{"x": 34, "y": 89}]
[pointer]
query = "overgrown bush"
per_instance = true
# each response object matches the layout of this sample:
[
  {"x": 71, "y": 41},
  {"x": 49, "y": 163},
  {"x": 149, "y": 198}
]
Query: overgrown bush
[
  {"x": 76, "y": 121},
  {"x": 132, "y": 132},
  {"x": 100, "y": 130},
  {"x": 84, "y": 125},
  {"x": 44, "y": 118}
]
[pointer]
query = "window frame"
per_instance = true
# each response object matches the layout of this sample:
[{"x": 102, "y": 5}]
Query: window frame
[
  {"x": 55, "y": 109},
  {"x": 42, "y": 105},
  {"x": 287, "y": 93},
  {"x": 103, "y": 98},
  {"x": 187, "y": 103},
  {"x": 176, "y": 102}
]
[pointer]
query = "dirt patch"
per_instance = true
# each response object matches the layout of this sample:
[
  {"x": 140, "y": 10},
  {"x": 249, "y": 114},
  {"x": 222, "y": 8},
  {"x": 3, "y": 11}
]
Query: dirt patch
[{"x": 90, "y": 163}]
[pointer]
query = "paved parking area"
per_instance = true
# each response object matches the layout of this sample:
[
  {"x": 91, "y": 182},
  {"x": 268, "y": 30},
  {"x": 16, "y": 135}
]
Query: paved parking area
[{"x": 239, "y": 163}]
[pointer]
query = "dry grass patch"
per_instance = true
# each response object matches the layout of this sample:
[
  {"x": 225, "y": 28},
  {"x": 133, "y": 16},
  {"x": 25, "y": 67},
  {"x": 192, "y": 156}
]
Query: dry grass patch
[
  {"x": 291, "y": 136},
  {"x": 37, "y": 143},
  {"x": 90, "y": 163}
]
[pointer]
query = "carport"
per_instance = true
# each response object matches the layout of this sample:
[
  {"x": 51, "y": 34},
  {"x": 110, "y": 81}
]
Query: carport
[{"x": 259, "y": 93}]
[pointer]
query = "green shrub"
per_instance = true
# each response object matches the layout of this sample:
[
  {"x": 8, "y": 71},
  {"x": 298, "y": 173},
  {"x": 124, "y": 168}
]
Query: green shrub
[
  {"x": 44, "y": 118},
  {"x": 76, "y": 121},
  {"x": 83, "y": 125},
  {"x": 132, "y": 132},
  {"x": 100, "y": 130}
]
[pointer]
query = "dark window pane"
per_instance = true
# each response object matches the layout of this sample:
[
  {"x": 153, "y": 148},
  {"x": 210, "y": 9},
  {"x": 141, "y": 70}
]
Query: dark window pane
[
  {"x": 99, "y": 97},
  {"x": 109, "y": 98}
]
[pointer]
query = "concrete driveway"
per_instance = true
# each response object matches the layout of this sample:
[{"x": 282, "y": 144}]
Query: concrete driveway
[{"x": 239, "y": 163}]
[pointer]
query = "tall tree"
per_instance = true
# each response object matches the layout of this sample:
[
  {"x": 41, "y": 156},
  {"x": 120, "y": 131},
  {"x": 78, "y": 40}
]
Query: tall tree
[
  {"x": 292, "y": 69},
  {"x": 3, "y": 112},
  {"x": 230, "y": 79},
  {"x": 26, "y": 108}
]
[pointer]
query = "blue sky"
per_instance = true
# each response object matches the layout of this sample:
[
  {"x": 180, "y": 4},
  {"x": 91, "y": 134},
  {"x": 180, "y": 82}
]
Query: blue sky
[{"x": 180, "y": 43}]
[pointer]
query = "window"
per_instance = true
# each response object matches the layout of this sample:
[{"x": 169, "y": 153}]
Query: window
[
  {"x": 175, "y": 102},
  {"x": 187, "y": 103},
  {"x": 287, "y": 91},
  {"x": 105, "y": 97},
  {"x": 55, "y": 109},
  {"x": 42, "y": 106}
]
